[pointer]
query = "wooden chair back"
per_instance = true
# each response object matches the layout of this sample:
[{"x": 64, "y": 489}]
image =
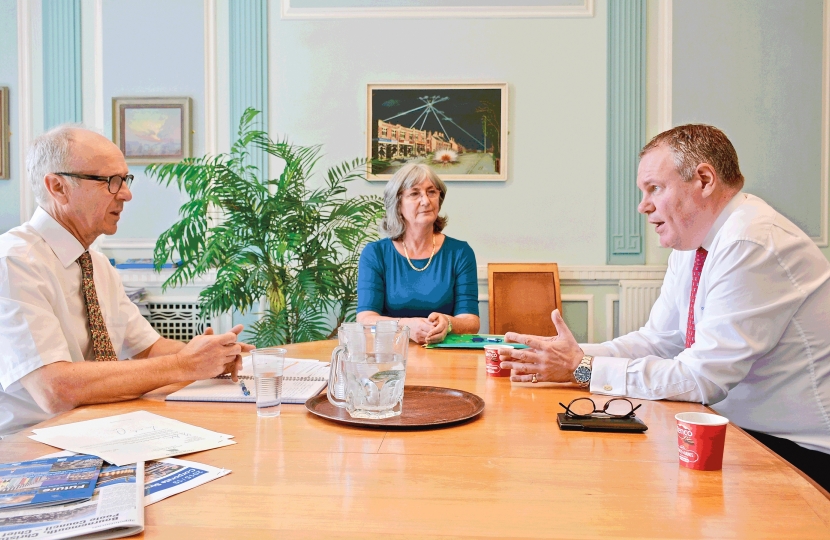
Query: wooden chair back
[{"x": 522, "y": 296}]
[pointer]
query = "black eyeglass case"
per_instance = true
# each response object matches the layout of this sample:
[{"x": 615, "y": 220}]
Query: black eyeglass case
[{"x": 631, "y": 425}]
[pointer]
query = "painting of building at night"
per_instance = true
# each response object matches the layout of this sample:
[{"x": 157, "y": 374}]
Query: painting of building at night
[{"x": 454, "y": 129}]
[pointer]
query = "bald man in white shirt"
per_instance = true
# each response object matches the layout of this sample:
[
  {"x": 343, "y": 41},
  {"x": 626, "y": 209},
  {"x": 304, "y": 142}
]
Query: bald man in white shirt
[
  {"x": 64, "y": 317},
  {"x": 755, "y": 343}
]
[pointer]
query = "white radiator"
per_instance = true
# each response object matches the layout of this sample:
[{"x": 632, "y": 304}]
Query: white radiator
[
  {"x": 636, "y": 299},
  {"x": 176, "y": 320}
]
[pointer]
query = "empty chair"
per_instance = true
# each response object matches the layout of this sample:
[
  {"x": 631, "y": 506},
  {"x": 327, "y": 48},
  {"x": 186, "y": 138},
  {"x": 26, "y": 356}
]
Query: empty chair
[{"x": 522, "y": 297}]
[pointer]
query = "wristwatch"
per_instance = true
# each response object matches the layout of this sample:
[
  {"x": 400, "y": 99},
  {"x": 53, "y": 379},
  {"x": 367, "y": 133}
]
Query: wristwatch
[
  {"x": 582, "y": 373},
  {"x": 449, "y": 324}
]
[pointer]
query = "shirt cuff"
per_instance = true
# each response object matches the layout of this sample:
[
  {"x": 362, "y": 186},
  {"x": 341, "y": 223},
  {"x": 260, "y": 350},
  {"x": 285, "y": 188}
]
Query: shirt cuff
[{"x": 608, "y": 375}]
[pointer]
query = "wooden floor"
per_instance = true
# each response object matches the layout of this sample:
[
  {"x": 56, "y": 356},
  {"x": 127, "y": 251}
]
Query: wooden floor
[{"x": 511, "y": 473}]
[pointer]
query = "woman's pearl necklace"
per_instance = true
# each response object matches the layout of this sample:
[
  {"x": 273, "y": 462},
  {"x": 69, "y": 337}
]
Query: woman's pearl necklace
[{"x": 410, "y": 260}]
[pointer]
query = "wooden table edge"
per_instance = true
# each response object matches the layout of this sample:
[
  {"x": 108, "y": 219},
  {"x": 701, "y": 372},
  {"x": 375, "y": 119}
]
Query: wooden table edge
[{"x": 790, "y": 465}]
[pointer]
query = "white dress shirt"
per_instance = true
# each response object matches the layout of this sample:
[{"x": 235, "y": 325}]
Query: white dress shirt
[
  {"x": 761, "y": 355},
  {"x": 43, "y": 316}
]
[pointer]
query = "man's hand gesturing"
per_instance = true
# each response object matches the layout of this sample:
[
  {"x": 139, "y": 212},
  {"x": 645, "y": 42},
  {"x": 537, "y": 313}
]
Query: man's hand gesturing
[{"x": 551, "y": 359}]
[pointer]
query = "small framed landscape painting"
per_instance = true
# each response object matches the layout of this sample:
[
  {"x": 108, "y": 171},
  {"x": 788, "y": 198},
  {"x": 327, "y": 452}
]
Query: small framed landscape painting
[
  {"x": 152, "y": 130},
  {"x": 459, "y": 130},
  {"x": 5, "y": 148}
]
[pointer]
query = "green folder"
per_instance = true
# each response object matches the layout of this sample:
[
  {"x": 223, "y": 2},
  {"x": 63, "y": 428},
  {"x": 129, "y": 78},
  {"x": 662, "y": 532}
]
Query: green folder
[{"x": 472, "y": 341}]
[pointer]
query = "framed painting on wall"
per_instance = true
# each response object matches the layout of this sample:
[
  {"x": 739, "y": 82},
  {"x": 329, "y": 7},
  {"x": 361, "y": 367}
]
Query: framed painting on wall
[
  {"x": 152, "y": 130},
  {"x": 5, "y": 147},
  {"x": 459, "y": 130}
]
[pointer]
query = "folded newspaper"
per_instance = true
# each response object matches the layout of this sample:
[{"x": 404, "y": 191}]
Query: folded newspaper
[
  {"x": 167, "y": 477},
  {"x": 116, "y": 509},
  {"x": 45, "y": 482}
]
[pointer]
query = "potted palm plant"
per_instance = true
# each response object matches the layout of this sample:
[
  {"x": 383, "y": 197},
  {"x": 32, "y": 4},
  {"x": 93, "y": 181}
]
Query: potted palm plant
[{"x": 276, "y": 243}]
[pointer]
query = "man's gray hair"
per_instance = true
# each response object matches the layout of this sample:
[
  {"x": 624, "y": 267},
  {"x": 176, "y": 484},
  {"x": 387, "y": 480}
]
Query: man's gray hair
[
  {"x": 50, "y": 152},
  {"x": 408, "y": 176}
]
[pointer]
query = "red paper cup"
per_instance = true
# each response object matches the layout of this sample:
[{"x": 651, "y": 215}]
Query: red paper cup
[
  {"x": 700, "y": 438},
  {"x": 493, "y": 361}
]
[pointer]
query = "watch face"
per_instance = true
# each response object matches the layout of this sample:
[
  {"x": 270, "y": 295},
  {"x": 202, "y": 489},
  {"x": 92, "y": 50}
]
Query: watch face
[{"x": 582, "y": 374}]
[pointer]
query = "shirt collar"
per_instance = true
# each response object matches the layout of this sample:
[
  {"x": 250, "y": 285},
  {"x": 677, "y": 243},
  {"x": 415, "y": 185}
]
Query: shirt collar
[
  {"x": 734, "y": 203},
  {"x": 66, "y": 247}
]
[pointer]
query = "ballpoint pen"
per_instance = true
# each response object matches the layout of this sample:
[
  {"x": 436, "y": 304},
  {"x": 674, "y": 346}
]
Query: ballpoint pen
[{"x": 245, "y": 390}]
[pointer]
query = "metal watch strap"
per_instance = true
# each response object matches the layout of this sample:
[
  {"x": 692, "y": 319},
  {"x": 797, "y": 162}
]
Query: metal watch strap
[
  {"x": 449, "y": 324},
  {"x": 582, "y": 373}
]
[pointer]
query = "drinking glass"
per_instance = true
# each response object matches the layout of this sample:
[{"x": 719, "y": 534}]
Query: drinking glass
[{"x": 268, "y": 368}]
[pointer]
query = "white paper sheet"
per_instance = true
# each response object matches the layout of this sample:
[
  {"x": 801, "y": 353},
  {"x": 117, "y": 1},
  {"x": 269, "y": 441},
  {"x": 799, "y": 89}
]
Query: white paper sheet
[{"x": 128, "y": 438}]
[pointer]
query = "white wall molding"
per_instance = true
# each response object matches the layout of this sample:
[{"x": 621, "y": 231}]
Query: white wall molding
[
  {"x": 595, "y": 275},
  {"x": 211, "y": 80},
  {"x": 822, "y": 240},
  {"x": 664, "y": 65},
  {"x": 609, "y": 315},
  {"x": 586, "y": 9},
  {"x": 568, "y": 275},
  {"x": 128, "y": 243},
  {"x": 98, "y": 53},
  {"x": 26, "y": 131},
  {"x": 149, "y": 278},
  {"x": 588, "y": 299},
  {"x": 92, "y": 61}
]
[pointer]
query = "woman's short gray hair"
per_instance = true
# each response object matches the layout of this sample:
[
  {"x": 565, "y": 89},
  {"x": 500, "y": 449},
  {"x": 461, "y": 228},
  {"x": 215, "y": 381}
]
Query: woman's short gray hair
[
  {"x": 50, "y": 152},
  {"x": 408, "y": 176}
]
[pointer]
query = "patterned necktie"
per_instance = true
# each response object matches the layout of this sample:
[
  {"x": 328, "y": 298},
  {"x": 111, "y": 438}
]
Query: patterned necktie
[
  {"x": 700, "y": 258},
  {"x": 101, "y": 343}
]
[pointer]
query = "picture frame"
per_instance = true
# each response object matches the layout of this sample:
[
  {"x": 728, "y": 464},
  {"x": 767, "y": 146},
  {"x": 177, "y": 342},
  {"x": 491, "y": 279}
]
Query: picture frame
[
  {"x": 5, "y": 138},
  {"x": 152, "y": 129},
  {"x": 458, "y": 129}
]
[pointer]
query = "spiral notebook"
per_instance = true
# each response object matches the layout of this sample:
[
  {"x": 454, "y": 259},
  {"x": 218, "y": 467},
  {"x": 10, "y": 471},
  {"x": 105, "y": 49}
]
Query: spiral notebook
[{"x": 302, "y": 380}]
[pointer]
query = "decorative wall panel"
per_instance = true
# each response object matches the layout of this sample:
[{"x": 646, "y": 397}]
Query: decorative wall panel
[
  {"x": 62, "y": 81},
  {"x": 626, "y": 128},
  {"x": 248, "y": 67}
]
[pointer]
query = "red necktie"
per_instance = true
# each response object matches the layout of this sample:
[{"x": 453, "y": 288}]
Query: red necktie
[{"x": 700, "y": 258}]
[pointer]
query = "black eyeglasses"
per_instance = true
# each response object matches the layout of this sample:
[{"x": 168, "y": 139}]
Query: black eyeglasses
[
  {"x": 113, "y": 182},
  {"x": 614, "y": 408}
]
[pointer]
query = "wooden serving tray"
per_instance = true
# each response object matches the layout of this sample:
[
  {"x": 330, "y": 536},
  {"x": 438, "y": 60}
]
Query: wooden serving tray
[{"x": 423, "y": 406}]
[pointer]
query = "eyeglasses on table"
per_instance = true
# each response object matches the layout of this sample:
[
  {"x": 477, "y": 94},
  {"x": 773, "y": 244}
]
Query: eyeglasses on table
[{"x": 585, "y": 407}]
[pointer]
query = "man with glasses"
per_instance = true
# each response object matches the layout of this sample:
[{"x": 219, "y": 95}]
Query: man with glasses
[
  {"x": 743, "y": 318},
  {"x": 64, "y": 317}
]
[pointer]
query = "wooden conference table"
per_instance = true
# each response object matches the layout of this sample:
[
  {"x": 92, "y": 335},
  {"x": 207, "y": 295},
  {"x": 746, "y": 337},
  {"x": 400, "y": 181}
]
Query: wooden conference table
[{"x": 509, "y": 473}]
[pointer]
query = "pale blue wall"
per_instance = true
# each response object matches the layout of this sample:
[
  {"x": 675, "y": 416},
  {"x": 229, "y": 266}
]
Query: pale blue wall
[
  {"x": 552, "y": 208},
  {"x": 428, "y": 3},
  {"x": 754, "y": 70},
  {"x": 153, "y": 48},
  {"x": 10, "y": 189}
]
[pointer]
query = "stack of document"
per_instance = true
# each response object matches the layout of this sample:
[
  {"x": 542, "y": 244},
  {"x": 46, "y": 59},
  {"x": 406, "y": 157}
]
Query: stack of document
[{"x": 128, "y": 438}]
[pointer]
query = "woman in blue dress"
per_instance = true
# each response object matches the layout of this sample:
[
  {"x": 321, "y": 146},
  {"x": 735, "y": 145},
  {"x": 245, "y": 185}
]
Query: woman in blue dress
[{"x": 417, "y": 275}]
